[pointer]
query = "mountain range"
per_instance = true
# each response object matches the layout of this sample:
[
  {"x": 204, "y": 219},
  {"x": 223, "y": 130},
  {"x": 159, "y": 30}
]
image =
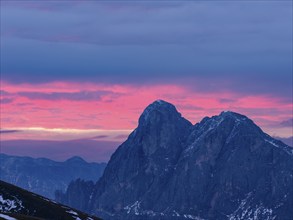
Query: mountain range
[
  {"x": 224, "y": 167},
  {"x": 44, "y": 176}
]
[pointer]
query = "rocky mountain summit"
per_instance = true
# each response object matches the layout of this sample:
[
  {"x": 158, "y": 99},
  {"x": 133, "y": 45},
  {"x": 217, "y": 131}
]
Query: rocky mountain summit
[{"x": 224, "y": 167}]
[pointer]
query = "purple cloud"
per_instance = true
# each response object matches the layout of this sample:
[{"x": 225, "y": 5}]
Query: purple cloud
[
  {"x": 222, "y": 47},
  {"x": 227, "y": 100},
  {"x": 94, "y": 138},
  {"x": 8, "y": 131},
  {"x": 4, "y": 93},
  {"x": 74, "y": 96},
  {"x": 287, "y": 123},
  {"x": 121, "y": 136},
  {"x": 6, "y": 100}
]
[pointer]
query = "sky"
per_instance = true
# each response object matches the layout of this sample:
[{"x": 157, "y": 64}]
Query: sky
[{"x": 83, "y": 71}]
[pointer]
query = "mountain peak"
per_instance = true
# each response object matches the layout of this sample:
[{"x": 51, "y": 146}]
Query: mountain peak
[
  {"x": 159, "y": 108},
  {"x": 223, "y": 167},
  {"x": 76, "y": 159},
  {"x": 160, "y": 104},
  {"x": 234, "y": 118},
  {"x": 232, "y": 114},
  {"x": 240, "y": 119}
]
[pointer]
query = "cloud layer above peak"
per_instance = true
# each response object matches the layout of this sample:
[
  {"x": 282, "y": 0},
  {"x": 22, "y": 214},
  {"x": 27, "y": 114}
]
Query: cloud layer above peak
[{"x": 240, "y": 42}]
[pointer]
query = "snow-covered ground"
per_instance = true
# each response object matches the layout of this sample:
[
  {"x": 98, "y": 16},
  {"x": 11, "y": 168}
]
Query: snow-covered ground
[
  {"x": 9, "y": 204},
  {"x": 6, "y": 217}
]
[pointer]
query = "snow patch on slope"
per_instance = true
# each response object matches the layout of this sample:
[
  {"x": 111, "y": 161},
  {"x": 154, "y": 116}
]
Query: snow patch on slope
[
  {"x": 135, "y": 209},
  {"x": 6, "y": 217},
  {"x": 72, "y": 212},
  {"x": 7, "y": 205},
  {"x": 75, "y": 215},
  {"x": 246, "y": 212},
  {"x": 188, "y": 216}
]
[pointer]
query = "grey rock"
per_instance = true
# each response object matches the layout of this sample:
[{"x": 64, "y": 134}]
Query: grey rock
[
  {"x": 78, "y": 194},
  {"x": 224, "y": 167}
]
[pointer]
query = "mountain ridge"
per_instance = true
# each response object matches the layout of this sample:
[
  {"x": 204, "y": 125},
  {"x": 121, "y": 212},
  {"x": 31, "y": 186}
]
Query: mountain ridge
[
  {"x": 43, "y": 176},
  {"x": 224, "y": 167}
]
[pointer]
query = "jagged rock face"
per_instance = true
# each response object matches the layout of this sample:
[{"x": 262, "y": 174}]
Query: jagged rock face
[
  {"x": 224, "y": 167},
  {"x": 230, "y": 159},
  {"x": 137, "y": 166},
  {"x": 78, "y": 194}
]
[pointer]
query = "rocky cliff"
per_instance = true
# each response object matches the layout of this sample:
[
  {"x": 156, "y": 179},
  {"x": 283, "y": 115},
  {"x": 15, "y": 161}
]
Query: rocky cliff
[{"x": 224, "y": 167}]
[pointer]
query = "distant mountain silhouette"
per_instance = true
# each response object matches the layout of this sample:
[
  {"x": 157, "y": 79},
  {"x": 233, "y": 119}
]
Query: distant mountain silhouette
[
  {"x": 224, "y": 167},
  {"x": 44, "y": 176},
  {"x": 288, "y": 140}
]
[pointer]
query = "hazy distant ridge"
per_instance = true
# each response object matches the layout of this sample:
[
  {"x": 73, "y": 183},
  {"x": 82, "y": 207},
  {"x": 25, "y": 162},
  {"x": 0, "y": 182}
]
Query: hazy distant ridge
[{"x": 44, "y": 176}]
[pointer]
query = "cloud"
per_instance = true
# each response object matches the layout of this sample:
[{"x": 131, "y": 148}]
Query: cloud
[
  {"x": 118, "y": 106},
  {"x": 121, "y": 136},
  {"x": 287, "y": 123},
  {"x": 223, "y": 100},
  {"x": 3, "y": 92},
  {"x": 150, "y": 42},
  {"x": 38, "y": 94},
  {"x": 8, "y": 131},
  {"x": 99, "y": 136},
  {"x": 203, "y": 56},
  {"x": 147, "y": 23},
  {"x": 73, "y": 96},
  {"x": 6, "y": 100}
]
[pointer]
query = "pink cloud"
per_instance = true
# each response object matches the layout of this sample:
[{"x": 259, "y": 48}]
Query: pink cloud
[{"x": 73, "y": 105}]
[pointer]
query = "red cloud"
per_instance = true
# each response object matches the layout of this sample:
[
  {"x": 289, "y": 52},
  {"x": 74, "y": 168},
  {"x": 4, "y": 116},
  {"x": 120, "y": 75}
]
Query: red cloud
[{"x": 107, "y": 106}]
